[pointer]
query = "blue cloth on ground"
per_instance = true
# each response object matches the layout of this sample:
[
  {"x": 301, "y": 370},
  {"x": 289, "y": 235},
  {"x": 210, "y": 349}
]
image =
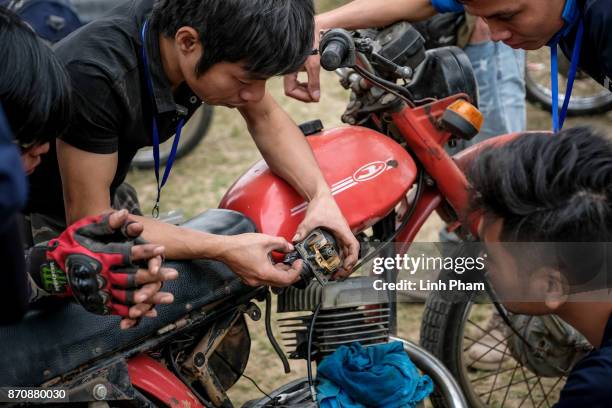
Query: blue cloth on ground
[{"x": 377, "y": 376}]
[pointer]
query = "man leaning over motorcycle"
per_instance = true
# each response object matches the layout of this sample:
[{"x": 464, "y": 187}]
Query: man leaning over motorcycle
[
  {"x": 547, "y": 217},
  {"x": 139, "y": 73},
  {"x": 526, "y": 24},
  {"x": 127, "y": 276}
]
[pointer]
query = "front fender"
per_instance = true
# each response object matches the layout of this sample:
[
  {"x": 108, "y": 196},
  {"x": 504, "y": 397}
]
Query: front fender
[{"x": 154, "y": 379}]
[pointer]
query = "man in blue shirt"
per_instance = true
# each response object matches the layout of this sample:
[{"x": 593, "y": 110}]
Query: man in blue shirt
[
  {"x": 578, "y": 26},
  {"x": 531, "y": 24}
]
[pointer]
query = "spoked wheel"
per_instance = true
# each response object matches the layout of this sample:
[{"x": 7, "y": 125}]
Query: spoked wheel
[
  {"x": 464, "y": 336},
  {"x": 588, "y": 97},
  {"x": 193, "y": 133},
  {"x": 508, "y": 384}
]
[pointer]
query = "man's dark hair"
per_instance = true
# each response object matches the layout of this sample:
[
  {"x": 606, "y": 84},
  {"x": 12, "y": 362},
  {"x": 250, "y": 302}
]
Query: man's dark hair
[
  {"x": 551, "y": 189},
  {"x": 34, "y": 87},
  {"x": 272, "y": 37},
  {"x": 548, "y": 188}
]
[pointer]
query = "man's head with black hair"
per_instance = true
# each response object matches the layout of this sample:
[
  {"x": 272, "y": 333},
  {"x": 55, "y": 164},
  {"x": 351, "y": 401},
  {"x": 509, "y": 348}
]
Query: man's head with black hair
[
  {"x": 550, "y": 196},
  {"x": 527, "y": 24},
  {"x": 34, "y": 89},
  {"x": 228, "y": 49}
]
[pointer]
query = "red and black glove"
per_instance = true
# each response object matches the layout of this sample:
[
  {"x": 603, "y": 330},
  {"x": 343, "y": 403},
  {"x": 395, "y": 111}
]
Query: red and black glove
[{"x": 91, "y": 262}]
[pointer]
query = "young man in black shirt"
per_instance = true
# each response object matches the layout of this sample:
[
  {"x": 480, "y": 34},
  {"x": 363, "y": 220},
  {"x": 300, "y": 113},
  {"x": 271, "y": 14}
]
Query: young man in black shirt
[
  {"x": 547, "y": 227},
  {"x": 146, "y": 68},
  {"x": 35, "y": 93}
]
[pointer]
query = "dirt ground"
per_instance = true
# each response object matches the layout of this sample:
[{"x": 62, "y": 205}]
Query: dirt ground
[{"x": 199, "y": 181}]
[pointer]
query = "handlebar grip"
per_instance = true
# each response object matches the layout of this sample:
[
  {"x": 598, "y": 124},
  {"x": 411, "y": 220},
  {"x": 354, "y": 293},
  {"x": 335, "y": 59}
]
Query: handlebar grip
[{"x": 334, "y": 53}]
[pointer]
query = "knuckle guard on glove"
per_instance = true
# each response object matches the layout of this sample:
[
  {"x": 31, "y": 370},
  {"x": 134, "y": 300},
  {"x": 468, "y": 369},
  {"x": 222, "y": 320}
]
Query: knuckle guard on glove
[{"x": 92, "y": 263}]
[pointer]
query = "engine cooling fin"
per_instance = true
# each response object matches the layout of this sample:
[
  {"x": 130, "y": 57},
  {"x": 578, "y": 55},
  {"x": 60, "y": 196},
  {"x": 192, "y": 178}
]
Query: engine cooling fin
[
  {"x": 299, "y": 300},
  {"x": 351, "y": 311}
]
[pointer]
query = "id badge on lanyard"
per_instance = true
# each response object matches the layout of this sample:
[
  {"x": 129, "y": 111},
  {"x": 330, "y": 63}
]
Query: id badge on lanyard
[{"x": 177, "y": 137}]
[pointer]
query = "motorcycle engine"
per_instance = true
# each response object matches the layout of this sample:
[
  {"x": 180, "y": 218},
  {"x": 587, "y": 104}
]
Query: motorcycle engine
[{"x": 351, "y": 311}]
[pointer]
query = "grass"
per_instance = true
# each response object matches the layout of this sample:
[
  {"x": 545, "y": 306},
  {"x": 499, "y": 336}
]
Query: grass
[{"x": 199, "y": 181}]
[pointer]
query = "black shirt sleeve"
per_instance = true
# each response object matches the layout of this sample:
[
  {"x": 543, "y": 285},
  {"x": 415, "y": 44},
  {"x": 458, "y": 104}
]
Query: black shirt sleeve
[{"x": 97, "y": 116}]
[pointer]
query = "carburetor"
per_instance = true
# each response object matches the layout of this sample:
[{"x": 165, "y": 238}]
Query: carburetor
[{"x": 320, "y": 255}]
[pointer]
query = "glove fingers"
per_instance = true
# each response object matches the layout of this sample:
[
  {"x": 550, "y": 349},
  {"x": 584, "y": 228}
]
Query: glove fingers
[
  {"x": 125, "y": 297},
  {"x": 124, "y": 278},
  {"x": 95, "y": 227},
  {"x": 119, "y": 310},
  {"x": 120, "y": 248}
]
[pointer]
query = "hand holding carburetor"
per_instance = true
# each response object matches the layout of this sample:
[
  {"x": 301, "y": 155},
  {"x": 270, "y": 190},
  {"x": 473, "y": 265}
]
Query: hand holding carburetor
[{"x": 320, "y": 256}]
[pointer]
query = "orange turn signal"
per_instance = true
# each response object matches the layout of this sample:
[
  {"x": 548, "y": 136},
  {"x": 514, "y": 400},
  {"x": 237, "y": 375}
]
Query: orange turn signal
[{"x": 462, "y": 119}]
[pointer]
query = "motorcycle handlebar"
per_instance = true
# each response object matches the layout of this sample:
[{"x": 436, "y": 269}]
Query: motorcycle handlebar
[
  {"x": 337, "y": 50},
  {"x": 333, "y": 55}
]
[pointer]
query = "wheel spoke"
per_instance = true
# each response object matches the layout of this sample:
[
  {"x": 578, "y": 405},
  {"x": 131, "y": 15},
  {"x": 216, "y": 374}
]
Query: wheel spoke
[
  {"x": 501, "y": 361},
  {"x": 486, "y": 332},
  {"x": 507, "y": 385},
  {"x": 509, "y": 382},
  {"x": 543, "y": 392},
  {"x": 490, "y": 347},
  {"x": 498, "y": 387},
  {"x": 529, "y": 394},
  {"x": 484, "y": 377},
  {"x": 551, "y": 390},
  {"x": 494, "y": 347}
]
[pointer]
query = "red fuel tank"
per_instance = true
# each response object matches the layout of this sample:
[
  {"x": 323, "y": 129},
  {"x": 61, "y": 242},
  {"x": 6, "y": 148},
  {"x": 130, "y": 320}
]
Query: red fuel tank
[{"x": 368, "y": 173}]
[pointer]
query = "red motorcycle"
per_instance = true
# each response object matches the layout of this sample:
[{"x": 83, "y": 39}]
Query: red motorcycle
[
  {"x": 389, "y": 172},
  {"x": 389, "y": 163}
]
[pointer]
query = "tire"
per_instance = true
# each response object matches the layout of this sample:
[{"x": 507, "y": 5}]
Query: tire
[
  {"x": 595, "y": 105},
  {"x": 442, "y": 322},
  {"x": 591, "y": 103},
  {"x": 194, "y": 132}
]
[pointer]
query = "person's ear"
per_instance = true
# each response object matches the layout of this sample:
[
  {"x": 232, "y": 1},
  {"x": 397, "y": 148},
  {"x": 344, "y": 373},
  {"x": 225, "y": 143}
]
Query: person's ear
[
  {"x": 187, "y": 40},
  {"x": 555, "y": 286}
]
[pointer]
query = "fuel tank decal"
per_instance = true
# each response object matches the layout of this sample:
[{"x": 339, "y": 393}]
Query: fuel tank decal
[
  {"x": 370, "y": 171},
  {"x": 365, "y": 173}
]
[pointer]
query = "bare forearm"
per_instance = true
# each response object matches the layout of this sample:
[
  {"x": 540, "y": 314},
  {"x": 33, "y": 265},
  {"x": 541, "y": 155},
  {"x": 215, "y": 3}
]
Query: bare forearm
[
  {"x": 375, "y": 13},
  {"x": 181, "y": 243},
  {"x": 87, "y": 180},
  {"x": 285, "y": 148}
]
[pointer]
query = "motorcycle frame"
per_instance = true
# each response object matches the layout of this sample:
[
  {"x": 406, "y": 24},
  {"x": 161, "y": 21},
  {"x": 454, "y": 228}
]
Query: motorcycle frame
[
  {"x": 153, "y": 378},
  {"x": 448, "y": 184}
]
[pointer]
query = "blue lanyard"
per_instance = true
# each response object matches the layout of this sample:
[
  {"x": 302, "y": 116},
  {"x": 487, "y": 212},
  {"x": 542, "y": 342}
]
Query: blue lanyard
[
  {"x": 559, "y": 117},
  {"x": 177, "y": 136}
]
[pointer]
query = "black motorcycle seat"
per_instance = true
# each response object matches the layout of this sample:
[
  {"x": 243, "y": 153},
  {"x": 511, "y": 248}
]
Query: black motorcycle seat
[{"x": 56, "y": 340}]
